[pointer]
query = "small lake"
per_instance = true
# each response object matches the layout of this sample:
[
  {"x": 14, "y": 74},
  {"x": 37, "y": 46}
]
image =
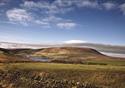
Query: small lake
[{"x": 38, "y": 58}]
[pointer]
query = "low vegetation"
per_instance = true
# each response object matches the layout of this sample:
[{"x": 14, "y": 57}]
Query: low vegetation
[{"x": 53, "y": 75}]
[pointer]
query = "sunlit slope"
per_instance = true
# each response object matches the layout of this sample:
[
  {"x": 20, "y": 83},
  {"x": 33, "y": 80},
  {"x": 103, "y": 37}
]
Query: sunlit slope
[{"x": 72, "y": 54}]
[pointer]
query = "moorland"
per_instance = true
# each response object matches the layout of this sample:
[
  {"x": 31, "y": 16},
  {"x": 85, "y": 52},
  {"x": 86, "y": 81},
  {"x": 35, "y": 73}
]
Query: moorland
[{"x": 65, "y": 67}]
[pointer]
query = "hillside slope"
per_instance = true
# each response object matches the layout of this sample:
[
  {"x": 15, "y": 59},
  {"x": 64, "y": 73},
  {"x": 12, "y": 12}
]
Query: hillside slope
[
  {"x": 72, "y": 54},
  {"x": 54, "y": 54},
  {"x": 7, "y": 55}
]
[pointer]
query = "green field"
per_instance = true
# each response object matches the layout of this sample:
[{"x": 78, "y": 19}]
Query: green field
[
  {"x": 59, "y": 66},
  {"x": 56, "y": 75},
  {"x": 106, "y": 62}
]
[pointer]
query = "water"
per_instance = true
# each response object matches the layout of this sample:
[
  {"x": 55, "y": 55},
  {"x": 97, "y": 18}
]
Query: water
[
  {"x": 114, "y": 54},
  {"x": 37, "y": 58}
]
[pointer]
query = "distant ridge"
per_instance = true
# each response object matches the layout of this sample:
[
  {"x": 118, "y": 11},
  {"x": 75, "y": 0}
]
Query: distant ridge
[
  {"x": 99, "y": 47},
  {"x": 54, "y": 54}
]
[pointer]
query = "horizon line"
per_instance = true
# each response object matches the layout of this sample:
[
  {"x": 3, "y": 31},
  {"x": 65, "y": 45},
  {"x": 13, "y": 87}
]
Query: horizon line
[{"x": 59, "y": 43}]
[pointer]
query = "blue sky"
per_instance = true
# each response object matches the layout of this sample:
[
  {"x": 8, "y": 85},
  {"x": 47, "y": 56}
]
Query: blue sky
[{"x": 55, "y": 21}]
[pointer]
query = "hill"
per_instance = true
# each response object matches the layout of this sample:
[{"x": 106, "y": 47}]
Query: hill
[
  {"x": 100, "y": 47},
  {"x": 72, "y": 55},
  {"x": 54, "y": 54},
  {"x": 8, "y": 55}
]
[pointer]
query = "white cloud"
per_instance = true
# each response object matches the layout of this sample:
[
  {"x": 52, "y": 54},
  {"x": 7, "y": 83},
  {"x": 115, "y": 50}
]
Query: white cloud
[
  {"x": 122, "y": 8},
  {"x": 48, "y": 8},
  {"x": 52, "y": 18},
  {"x": 64, "y": 6},
  {"x": 49, "y": 12},
  {"x": 18, "y": 15},
  {"x": 74, "y": 41},
  {"x": 59, "y": 6},
  {"x": 66, "y": 25},
  {"x": 59, "y": 22},
  {"x": 23, "y": 17},
  {"x": 77, "y": 3},
  {"x": 109, "y": 5},
  {"x": 32, "y": 4},
  {"x": 44, "y": 24},
  {"x": 41, "y": 22},
  {"x": 63, "y": 3},
  {"x": 87, "y": 3}
]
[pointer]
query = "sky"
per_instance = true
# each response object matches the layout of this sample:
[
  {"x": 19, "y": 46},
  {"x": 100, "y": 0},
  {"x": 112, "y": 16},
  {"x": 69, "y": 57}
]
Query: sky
[{"x": 55, "y": 21}]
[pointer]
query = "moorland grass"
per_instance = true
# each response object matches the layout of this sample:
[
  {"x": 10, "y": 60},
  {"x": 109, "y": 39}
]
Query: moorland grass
[
  {"x": 61, "y": 66},
  {"x": 58, "y": 75}
]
